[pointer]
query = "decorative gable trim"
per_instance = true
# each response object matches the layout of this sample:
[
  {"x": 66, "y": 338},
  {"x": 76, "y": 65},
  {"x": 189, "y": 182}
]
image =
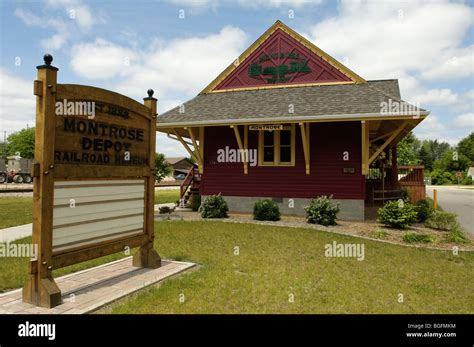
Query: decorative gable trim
[{"x": 350, "y": 76}]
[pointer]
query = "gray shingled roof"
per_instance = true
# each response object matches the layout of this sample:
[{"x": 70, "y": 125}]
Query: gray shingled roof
[{"x": 309, "y": 101}]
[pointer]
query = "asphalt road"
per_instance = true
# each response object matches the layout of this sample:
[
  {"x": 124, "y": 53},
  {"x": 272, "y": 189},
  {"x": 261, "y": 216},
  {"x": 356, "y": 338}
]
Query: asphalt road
[{"x": 457, "y": 200}]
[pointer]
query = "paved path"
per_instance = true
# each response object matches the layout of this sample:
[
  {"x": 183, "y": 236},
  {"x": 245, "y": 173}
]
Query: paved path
[
  {"x": 457, "y": 200},
  {"x": 88, "y": 290},
  {"x": 15, "y": 233}
]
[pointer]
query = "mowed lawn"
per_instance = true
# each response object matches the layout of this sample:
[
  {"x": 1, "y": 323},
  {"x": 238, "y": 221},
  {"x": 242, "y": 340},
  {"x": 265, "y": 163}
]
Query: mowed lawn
[
  {"x": 15, "y": 211},
  {"x": 163, "y": 196},
  {"x": 275, "y": 266},
  {"x": 246, "y": 268}
]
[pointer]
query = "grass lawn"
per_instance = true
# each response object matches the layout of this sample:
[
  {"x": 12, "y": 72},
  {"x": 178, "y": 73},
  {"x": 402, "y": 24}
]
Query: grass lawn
[
  {"x": 276, "y": 263},
  {"x": 163, "y": 196},
  {"x": 15, "y": 211}
]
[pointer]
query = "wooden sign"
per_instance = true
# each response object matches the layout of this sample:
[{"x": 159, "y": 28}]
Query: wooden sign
[
  {"x": 268, "y": 127},
  {"x": 93, "y": 191}
]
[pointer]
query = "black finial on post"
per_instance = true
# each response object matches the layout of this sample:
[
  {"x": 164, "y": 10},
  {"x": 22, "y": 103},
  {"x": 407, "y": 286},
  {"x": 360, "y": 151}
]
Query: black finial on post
[
  {"x": 150, "y": 93},
  {"x": 48, "y": 59}
]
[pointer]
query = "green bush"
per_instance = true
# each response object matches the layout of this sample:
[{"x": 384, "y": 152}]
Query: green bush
[
  {"x": 405, "y": 196},
  {"x": 214, "y": 207},
  {"x": 397, "y": 214},
  {"x": 322, "y": 210},
  {"x": 266, "y": 210},
  {"x": 196, "y": 202},
  {"x": 423, "y": 210},
  {"x": 441, "y": 220},
  {"x": 457, "y": 236},
  {"x": 379, "y": 234},
  {"x": 414, "y": 238}
]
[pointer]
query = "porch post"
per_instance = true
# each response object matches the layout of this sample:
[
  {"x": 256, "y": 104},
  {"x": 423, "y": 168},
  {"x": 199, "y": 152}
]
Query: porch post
[{"x": 394, "y": 177}]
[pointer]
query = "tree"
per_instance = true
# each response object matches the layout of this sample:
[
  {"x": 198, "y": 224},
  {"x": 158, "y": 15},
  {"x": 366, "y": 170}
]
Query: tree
[
  {"x": 162, "y": 167},
  {"x": 452, "y": 162},
  {"x": 22, "y": 142},
  {"x": 466, "y": 147},
  {"x": 426, "y": 156},
  {"x": 407, "y": 150}
]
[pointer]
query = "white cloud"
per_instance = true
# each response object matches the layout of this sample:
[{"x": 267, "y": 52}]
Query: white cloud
[
  {"x": 385, "y": 39},
  {"x": 53, "y": 43},
  {"x": 430, "y": 124},
  {"x": 465, "y": 120},
  {"x": 74, "y": 15},
  {"x": 437, "y": 97},
  {"x": 465, "y": 102},
  {"x": 179, "y": 66},
  {"x": 101, "y": 59},
  {"x": 17, "y": 102},
  {"x": 278, "y": 3},
  {"x": 456, "y": 63},
  {"x": 194, "y": 3}
]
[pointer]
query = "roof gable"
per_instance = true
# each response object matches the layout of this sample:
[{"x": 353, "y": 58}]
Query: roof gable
[{"x": 281, "y": 57}]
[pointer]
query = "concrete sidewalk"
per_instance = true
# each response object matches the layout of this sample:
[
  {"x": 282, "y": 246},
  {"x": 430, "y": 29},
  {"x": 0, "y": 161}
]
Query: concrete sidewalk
[
  {"x": 88, "y": 290},
  {"x": 15, "y": 233}
]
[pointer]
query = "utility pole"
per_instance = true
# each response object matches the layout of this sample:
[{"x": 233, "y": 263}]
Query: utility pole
[{"x": 5, "y": 144}]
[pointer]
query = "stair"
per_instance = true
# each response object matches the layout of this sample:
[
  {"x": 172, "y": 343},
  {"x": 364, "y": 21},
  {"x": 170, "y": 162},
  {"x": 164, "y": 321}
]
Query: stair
[{"x": 190, "y": 186}]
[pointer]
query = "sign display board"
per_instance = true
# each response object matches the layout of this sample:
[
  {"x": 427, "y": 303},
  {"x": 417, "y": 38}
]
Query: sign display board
[{"x": 94, "y": 179}]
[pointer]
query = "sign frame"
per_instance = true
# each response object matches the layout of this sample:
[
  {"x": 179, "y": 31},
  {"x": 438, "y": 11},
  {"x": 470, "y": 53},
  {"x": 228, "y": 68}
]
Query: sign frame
[{"x": 41, "y": 288}]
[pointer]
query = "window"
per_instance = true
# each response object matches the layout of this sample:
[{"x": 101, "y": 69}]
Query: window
[{"x": 277, "y": 147}]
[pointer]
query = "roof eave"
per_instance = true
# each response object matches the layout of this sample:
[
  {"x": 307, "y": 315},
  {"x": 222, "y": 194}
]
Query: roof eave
[{"x": 293, "y": 119}]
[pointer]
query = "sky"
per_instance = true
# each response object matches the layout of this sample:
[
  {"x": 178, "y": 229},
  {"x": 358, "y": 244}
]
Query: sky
[{"x": 178, "y": 47}]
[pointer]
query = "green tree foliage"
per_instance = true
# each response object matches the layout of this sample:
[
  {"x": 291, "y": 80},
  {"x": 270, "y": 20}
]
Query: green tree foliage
[
  {"x": 466, "y": 147},
  {"x": 407, "y": 150},
  {"x": 162, "y": 167},
  {"x": 22, "y": 142}
]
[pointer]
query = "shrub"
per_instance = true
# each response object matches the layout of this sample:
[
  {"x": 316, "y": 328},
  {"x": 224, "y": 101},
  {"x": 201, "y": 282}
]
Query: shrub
[
  {"x": 441, "y": 220},
  {"x": 414, "y": 238},
  {"x": 423, "y": 210},
  {"x": 266, "y": 210},
  {"x": 397, "y": 214},
  {"x": 214, "y": 207},
  {"x": 457, "y": 236},
  {"x": 322, "y": 210},
  {"x": 196, "y": 202},
  {"x": 405, "y": 196},
  {"x": 379, "y": 234}
]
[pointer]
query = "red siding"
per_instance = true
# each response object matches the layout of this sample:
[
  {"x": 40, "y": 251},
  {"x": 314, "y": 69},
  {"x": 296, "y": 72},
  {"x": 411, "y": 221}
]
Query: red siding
[
  {"x": 328, "y": 142},
  {"x": 281, "y": 43}
]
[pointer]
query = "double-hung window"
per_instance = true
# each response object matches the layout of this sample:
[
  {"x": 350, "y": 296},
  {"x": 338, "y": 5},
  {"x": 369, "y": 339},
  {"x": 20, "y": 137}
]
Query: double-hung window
[{"x": 277, "y": 147}]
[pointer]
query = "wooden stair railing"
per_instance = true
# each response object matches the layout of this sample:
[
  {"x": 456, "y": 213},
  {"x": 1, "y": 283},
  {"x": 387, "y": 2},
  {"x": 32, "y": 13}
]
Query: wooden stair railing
[{"x": 190, "y": 185}]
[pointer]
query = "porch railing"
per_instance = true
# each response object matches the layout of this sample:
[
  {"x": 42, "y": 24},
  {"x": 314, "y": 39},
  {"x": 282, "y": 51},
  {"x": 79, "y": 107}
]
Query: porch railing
[
  {"x": 188, "y": 181},
  {"x": 411, "y": 175}
]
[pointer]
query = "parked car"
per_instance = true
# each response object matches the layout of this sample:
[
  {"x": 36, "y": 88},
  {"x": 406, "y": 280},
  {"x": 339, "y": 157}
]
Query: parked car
[{"x": 180, "y": 177}]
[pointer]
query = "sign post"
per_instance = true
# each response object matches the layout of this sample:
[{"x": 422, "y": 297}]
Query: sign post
[{"x": 93, "y": 191}]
